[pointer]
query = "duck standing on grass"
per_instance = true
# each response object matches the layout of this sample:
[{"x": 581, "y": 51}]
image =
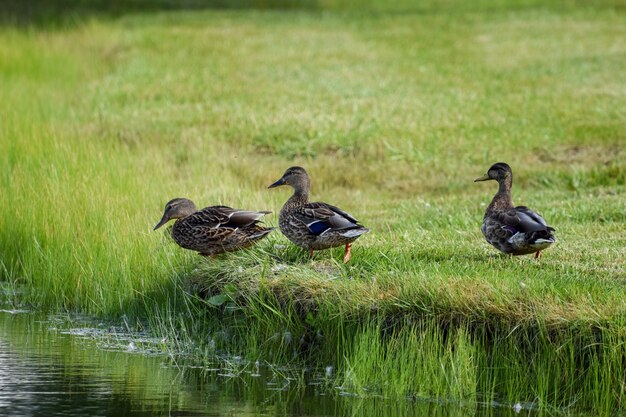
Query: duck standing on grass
[
  {"x": 514, "y": 230},
  {"x": 314, "y": 226},
  {"x": 215, "y": 229}
]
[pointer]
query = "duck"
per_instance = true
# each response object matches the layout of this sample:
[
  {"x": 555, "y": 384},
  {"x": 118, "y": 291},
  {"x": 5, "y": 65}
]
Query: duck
[
  {"x": 213, "y": 230},
  {"x": 513, "y": 230},
  {"x": 314, "y": 225}
]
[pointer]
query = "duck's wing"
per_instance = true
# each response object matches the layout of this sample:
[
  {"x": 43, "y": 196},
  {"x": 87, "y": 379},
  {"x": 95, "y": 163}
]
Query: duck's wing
[
  {"x": 240, "y": 218},
  {"x": 322, "y": 217},
  {"x": 209, "y": 229},
  {"x": 209, "y": 217},
  {"x": 522, "y": 219},
  {"x": 203, "y": 228},
  {"x": 530, "y": 221},
  {"x": 224, "y": 217}
]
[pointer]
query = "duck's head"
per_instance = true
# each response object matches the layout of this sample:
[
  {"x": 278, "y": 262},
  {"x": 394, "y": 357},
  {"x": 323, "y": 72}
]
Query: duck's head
[
  {"x": 498, "y": 172},
  {"x": 296, "y": 177},
  {"x": 176, "y": 209}
]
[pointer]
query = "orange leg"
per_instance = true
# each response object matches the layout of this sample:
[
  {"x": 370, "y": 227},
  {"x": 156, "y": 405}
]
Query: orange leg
[
  {"x": 347, "y": 256},
  {"x": 311, "y": 253},
  {"x": 538, "y": 254}
]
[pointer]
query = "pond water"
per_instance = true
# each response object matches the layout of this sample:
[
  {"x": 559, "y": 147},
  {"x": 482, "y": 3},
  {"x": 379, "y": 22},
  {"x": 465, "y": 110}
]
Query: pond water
[{"x": 52, "y": 366}]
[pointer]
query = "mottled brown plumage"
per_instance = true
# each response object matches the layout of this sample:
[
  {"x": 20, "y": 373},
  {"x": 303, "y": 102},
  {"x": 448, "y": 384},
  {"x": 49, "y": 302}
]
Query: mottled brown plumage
[
  {"x": 314, "y": 226},
  {"x": 215, "y": 229},
  {"x": 513, "y": 230}
]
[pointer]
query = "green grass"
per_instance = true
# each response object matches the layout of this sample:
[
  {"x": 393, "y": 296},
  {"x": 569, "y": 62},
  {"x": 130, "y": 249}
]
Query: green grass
[
  {"x": 425, "y": 339},
  {"x": 393, "y": 111}
]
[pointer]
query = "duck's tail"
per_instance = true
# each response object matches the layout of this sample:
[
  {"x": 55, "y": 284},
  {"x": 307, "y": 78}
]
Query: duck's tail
[
  {"x": 260, "y": 232},
  {"x": 542, "y": 236},
  {"x": 355, "y": 232}
]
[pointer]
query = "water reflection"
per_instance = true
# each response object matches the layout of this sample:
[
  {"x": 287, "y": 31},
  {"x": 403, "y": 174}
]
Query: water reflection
[{"x": 51, "y": 368}]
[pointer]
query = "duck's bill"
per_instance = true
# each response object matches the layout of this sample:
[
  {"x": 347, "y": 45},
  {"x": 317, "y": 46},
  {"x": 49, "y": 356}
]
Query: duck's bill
[
  {"x": 277, "y": 183},
  {"x": 483, "y": 178},
  {"x": 161, "y": 222}
]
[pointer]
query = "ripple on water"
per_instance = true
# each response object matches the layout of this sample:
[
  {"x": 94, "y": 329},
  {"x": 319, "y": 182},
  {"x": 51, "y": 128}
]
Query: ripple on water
[{"x": 15, "y": 311}]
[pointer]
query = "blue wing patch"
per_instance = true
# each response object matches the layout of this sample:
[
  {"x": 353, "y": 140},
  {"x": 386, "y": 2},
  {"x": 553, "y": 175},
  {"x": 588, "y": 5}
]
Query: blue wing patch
[{"x": 317, "y": 228}]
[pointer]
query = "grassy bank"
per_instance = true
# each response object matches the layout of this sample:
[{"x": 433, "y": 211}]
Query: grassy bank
[
  {"x": 422, "y": 338},
  {"x": 394, "y": 114}
]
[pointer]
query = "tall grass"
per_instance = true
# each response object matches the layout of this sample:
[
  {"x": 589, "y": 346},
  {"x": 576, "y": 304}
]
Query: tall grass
[
  {"x": 393, "y": 114},
  {"x": 537, "y": 362}
]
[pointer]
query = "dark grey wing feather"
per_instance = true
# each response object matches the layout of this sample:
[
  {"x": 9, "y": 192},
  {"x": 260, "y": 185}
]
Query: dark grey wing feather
[
  {"x": 209, "y": 217},
  {"x": 314, "y": 211},
  {"x": 223, "y": 216},
  {"x": 334, "y": 218},
  {"x": 342, "y": 213},
  {"x": 529, "y": 221},
  {"x": 240, "y": 218}
]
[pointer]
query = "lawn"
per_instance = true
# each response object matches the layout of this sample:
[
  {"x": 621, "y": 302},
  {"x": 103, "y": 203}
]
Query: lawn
[{"x": 393, "y": 110}]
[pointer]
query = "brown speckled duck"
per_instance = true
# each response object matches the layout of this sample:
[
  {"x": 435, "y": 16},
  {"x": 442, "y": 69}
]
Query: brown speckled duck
[
  {"x": 513, "y": 230},
  {"x": 215, "y": 229},
  {"x": 314, "y": 226}
]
